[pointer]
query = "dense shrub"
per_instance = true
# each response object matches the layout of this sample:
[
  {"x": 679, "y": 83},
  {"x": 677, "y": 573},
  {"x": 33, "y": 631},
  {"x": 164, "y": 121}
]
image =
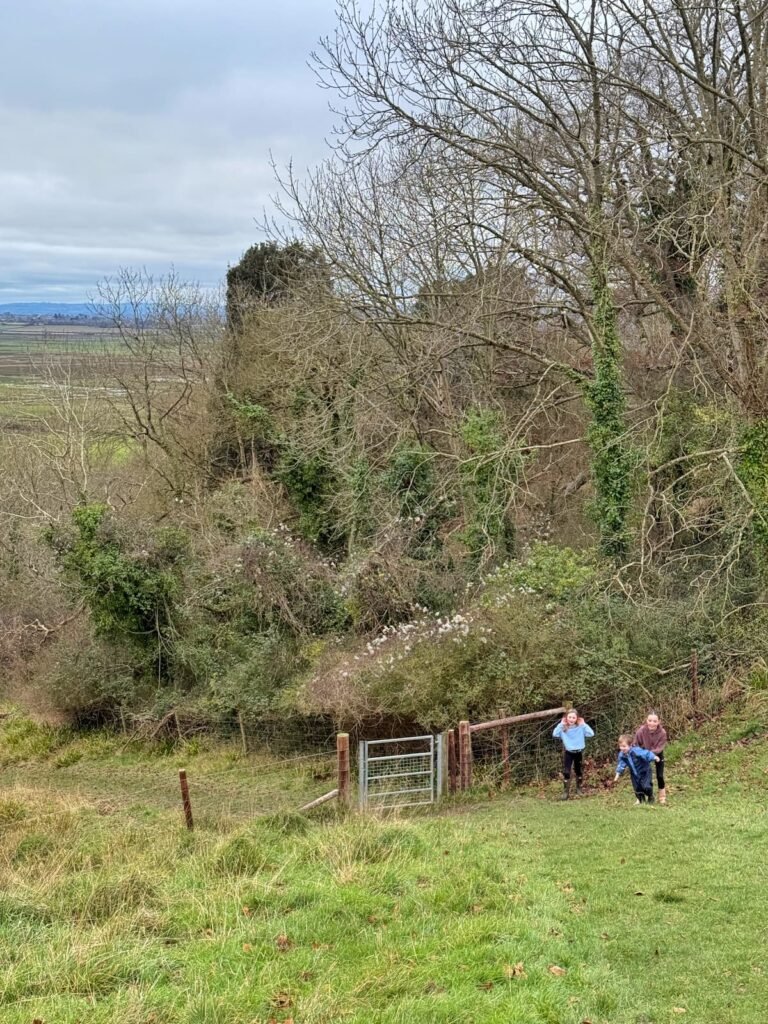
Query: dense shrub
[
  {"x": 542, "y": 634},
  {"x": 130, "y": 590}
]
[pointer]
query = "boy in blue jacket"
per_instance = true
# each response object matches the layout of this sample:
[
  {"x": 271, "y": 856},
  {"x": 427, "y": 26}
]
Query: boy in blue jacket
[
  {"x": 639, "y": 762},
  {"x": 574, "y": 733}
]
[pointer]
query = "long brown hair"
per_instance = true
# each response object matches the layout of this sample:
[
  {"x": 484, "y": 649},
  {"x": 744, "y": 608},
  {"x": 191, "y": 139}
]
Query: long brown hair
[{"x": 572, "y": 711}]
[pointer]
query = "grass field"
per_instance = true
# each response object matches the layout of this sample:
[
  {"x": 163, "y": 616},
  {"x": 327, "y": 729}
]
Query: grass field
[
  {"x": 31, "y": 357},
  {"x": 517, "y": 909}
]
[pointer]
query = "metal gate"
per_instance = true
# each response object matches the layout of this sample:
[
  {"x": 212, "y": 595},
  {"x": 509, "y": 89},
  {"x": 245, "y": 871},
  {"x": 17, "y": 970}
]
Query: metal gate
[{"x": 402, "y": 772}]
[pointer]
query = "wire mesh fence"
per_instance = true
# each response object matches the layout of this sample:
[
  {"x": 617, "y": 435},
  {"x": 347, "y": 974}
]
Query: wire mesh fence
[{"x": 231, "y": 794}]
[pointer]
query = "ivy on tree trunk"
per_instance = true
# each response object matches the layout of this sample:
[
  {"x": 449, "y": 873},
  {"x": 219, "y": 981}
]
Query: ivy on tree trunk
[{"x": 611, "y": 456}]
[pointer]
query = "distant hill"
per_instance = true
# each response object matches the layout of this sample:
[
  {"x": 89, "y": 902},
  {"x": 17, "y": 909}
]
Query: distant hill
[{"x": 46, "y": 309}]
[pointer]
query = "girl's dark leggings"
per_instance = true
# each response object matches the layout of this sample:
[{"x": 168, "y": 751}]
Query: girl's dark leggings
[
  {"x": 660, "y": 771},
  {"x": 573, "y": 758}
]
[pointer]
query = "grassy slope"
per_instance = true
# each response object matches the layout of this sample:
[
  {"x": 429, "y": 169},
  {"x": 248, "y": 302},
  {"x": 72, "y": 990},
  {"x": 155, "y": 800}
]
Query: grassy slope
[{"x": 655, "y": 914}]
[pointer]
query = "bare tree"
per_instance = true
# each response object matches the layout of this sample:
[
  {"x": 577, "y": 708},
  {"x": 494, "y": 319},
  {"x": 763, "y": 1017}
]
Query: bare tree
[{"x": 157, "y": 374}]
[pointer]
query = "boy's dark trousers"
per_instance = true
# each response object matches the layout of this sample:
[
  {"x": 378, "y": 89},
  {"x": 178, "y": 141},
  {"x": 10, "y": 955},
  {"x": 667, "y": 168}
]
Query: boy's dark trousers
[
  {"x": 643, "y": 785},
  {"x": 643, "y": 793}
]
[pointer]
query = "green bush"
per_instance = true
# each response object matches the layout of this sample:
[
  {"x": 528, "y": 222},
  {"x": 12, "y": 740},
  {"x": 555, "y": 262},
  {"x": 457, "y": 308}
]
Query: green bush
[
  {"x": 311, "y": 484},
  {"x": 21, "y": 739},
  {"x": 753, "y": 472},
  {"x": 91, "y": 678},
  {"x": 549, "y": 570},
  {"x": 525, "y": 651},
  {"x": 131, "y": 592},
  {"x": 292, "y": 592},
  {"x": 412, "y": 480},
  {"x": 489, "y": 473}
]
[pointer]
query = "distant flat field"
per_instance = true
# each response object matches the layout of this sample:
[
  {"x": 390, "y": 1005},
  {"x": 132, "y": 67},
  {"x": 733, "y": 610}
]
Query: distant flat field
[
  {"x": 24, "y": 346},
  {"x": 34, "y": 356}
]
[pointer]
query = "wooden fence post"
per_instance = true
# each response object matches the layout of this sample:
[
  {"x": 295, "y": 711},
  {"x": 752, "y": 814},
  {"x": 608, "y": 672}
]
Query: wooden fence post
[
  {"x": 342, "y": 767},
  {"x": 465, "y": 748},
  {"x": 695, "y": 683},
  {"x": 506, "y": 772},
  {"x": 243, "y": 734},
  {"x": 452, "y": 761},
  {"x": 185, "y": 798}
]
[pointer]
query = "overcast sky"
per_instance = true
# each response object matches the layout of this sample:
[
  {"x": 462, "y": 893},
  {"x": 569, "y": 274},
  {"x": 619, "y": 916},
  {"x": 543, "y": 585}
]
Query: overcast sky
[{"x": 138, "y": 133}]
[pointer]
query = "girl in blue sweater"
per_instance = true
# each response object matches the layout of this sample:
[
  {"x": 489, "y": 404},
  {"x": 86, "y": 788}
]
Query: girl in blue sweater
[{"x": 574, "y": 733}]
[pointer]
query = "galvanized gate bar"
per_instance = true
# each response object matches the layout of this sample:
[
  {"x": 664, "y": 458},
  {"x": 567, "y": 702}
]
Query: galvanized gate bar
[{"x": 377, "y": 769}]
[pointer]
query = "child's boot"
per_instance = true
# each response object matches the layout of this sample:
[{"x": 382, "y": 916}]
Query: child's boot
[
  {"x": 662, "y": 796},
  {"x": 566, "y": 790}
]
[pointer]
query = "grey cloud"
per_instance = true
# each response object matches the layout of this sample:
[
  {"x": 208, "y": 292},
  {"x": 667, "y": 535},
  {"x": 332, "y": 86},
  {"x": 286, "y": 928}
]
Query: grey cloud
[{"x": 176, "y": 173}]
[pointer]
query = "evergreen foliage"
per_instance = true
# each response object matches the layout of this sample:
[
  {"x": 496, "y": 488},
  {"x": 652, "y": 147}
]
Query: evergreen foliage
[
  {"x": 753, "y": 473},
  {"x": 612, "y": 462},
  {"x": 265, "y": 275},
  {"x": 131, "y": 594}
]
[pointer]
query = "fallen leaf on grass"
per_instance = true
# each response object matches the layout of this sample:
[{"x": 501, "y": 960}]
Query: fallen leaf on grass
[
  {"x": 247, "y": 911},
  {"x": 433, "y": 988},
  {"x": 679, "y": 1009},
  {"x": 307, "y": 975},
  {"x": 557, "y": 971},
  {"x": 514, "y": 970},
  {"x": 486, "y": 986},
  {"x": 283, "y": 943},
  {"x": 281, "y": 1001},
  {"x": 639, "y": 893},
  {"x": 247, "y": 947}
]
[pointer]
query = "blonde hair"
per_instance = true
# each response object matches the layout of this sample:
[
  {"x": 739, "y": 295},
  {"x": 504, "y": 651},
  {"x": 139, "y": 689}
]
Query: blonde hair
[{"x": 625, "y": 740}]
